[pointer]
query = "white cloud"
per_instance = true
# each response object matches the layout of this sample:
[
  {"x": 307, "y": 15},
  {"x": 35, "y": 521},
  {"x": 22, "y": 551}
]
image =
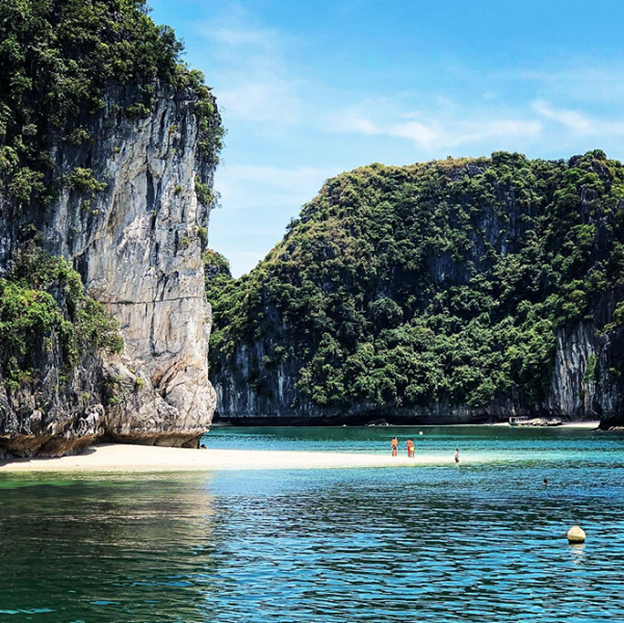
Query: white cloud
[
  {"x": 231, "y": 36},
  {"x": 445, "y": 103},
  {"x": 432, "y": 134},
  {"x": 412, "y": 114},
  {"x": 603, "y": 82},
  {"x": 569, "y": 118},
  {"x": 580, "y": 123},
  {"x": 455, "y": 133},
  {"x": 351, "y": 121},
  {"x": 254, "y": 72},
  {"x": 269, "y": 100},
  {"x": 423, "y": 135},
  {"x": 504, "y": 128}
]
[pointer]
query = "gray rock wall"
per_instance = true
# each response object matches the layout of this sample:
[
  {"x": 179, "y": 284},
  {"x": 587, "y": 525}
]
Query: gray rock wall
[
  {"x": 585, "y": 384},
  {"x": 137, "y": 245}
]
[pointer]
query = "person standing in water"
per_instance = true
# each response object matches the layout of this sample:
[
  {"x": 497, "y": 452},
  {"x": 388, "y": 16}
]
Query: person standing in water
[
  {"x": 456, "y": 455},
  {"x": 394, "y": 444},
  {"x": 410, "y": 448}
]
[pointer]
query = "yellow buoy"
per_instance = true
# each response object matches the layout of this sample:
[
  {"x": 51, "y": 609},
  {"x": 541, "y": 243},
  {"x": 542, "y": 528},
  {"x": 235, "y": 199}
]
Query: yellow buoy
[{"x": 576, "y": 535}]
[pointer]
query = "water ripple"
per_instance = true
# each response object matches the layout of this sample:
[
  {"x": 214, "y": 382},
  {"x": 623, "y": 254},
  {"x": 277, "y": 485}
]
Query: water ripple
[{"x": 482, "y": 543}]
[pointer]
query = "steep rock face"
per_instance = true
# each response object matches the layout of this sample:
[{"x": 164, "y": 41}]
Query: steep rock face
[
  {"x": 586, "y": 381},
  {"x": 584, "y": 384},
  {"x": 446, "y": 292},
  {"x": 573, "y": 386},
  {"x": 137, "y": 244},
  {"x": 140, "y": 255},
  {"x": 58, "y": 415}
]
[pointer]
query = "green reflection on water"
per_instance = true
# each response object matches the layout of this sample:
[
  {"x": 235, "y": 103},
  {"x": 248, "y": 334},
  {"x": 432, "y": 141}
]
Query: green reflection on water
[{"x": 108, "y": 548}]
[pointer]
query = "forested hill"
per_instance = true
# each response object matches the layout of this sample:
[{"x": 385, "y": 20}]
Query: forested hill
[{"x": 453, "y": 290}]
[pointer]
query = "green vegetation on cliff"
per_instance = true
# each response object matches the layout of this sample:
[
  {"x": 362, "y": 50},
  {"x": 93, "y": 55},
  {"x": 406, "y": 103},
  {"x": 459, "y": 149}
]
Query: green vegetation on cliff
[
  {"x": 57, "y": 56},
  {"x": 217, "y": 272},
  {"x": 45, "y": 316},
  {"x": 438, "y": 282}
]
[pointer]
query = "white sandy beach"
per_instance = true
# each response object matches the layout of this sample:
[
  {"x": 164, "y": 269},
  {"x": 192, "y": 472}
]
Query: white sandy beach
[
  {"x": 137, "y": 458},
  {"x": 131, "y": 458}
]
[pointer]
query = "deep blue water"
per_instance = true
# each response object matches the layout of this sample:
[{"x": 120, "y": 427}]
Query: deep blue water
[{"x": 476, "y": 542}]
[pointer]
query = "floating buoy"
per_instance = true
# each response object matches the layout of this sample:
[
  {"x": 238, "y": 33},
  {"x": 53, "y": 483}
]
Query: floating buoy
[
  {"x": 420, "y": 433},
  {"x": 576, "y": 535}
]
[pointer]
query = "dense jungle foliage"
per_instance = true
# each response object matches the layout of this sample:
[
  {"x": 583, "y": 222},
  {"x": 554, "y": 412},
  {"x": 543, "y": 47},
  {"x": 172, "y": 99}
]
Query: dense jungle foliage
[
  {"x": 443, "y": 281},
  {"x": 45, "y": 317},
  {"x": 56, "y": 57}
]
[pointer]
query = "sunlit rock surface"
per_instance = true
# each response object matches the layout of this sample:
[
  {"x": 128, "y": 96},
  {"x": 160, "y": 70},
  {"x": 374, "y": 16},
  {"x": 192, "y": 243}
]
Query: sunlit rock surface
[{"x": 137, "y": 245}]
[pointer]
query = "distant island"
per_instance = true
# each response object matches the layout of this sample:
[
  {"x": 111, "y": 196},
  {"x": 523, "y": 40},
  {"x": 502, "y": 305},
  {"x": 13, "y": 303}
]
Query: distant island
[{"x": 452, "y": 291}]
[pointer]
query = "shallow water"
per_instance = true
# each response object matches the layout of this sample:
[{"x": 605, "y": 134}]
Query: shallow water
[{"x": 475, "y": 542}]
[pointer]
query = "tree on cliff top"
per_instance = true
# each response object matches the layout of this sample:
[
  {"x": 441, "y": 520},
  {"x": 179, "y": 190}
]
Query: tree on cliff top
[{"x": 56, "y": 57}]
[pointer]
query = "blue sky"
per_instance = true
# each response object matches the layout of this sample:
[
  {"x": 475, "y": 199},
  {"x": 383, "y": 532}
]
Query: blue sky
[{"x": 310, "y": 89}]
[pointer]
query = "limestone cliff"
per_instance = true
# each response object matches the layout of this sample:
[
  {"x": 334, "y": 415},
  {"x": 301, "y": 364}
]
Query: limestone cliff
[
  {"x": 140, "y": 255},
  {"x": 137, "y": 244},
  {"x": 108, "y": 144}
]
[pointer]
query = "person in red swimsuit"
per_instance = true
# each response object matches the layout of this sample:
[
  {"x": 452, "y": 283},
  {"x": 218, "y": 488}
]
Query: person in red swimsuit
[{"x": 410, "y": 448}]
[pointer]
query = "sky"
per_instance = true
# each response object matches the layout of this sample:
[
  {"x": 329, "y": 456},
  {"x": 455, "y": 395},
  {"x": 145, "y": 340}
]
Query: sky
[{"x": 309, "y": 89}]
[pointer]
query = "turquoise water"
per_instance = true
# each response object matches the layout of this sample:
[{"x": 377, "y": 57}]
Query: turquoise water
[{"x": 476, "y": 542}]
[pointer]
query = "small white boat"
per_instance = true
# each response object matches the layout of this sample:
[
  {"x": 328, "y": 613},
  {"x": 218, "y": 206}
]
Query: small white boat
[{"x": 536, "y": 422}]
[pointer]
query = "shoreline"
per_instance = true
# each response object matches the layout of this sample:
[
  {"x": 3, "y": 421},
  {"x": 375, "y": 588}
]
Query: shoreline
[
  {"x": 137, "y": 458},
  {"x": 589, "y": 425},
  {"x": 581, "y": 425},
  {"x": 140, "y": 458}
]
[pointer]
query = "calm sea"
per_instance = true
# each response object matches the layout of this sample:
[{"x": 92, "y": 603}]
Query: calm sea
[{"x": 478, "y": 542}]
